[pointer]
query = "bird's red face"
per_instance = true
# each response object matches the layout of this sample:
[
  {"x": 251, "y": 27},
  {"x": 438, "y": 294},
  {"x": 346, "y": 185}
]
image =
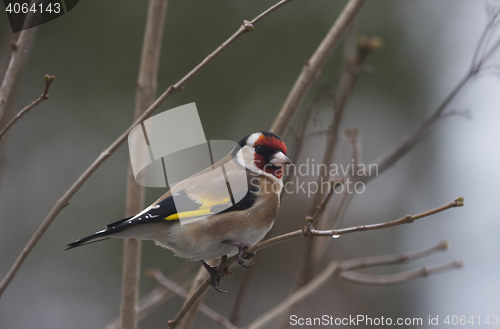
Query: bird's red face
[{"x": 270, "y": 154}]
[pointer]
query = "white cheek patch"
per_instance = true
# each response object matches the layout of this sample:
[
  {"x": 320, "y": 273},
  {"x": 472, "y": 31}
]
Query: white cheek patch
[
  {"x": 253, "y": 138},
  {"x": 245, "y": 157}
]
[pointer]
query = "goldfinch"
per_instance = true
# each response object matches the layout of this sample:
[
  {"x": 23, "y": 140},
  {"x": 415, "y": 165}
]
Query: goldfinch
[{"x": 217, "y": 224}]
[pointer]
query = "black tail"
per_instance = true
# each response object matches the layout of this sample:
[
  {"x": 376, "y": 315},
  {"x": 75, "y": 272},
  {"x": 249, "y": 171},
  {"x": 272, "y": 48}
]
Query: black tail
[{"x": 98, "y": 236}]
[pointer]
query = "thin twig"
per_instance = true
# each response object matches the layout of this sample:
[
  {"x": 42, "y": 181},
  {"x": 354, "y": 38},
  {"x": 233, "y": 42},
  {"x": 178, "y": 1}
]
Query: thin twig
[
  {"x": 44, "y": 96},
  {"x": 346, "y": 86},
  {"x": 364, "y": 262},
  {"x": 485, "y": 35},
  {"x": 147, "y": 304},
  {"x": 174, "y": 287},
  {"x": 340, "y": 268},
  {"x": 319, "y": 246},
  {"x": 136, "y": 194},
  {"x": 406, "y": 144},
  {"x": 403, "y": 220},
  {"x": 188, "y": 305},
  {"x": 327, "y": 92},
  {"x": 64, "y": 200},
  {"x": 320, "y": 209},
  {"x": 384, "y": 279},
  {"x": 301, "y": 293},
  {"x": 313, "y": 66},
  {"x": 386, "y": 160}
]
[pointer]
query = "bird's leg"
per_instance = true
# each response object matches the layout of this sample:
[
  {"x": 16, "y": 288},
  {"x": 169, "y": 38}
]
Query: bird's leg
[
  {"x": 214, "y": 279},
  {"x": 242, "y": 254}
]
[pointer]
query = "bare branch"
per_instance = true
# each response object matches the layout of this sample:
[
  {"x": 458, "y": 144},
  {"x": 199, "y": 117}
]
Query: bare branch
[
  {"x": 301, "y": 135},
  {"x": 19, "y": 52},
  {"x": 64, "y": 200},
  {"x": 147, "y": 304},
  {"x": 364, "y": 262},
  {"x": 48, "y": 80},
  {"x": 481, "y": 55},
  {"x": 269, "y": 11},
  {"x": 390, "y": 157},
  {"x": 383, "y": 279},
  {"x": 346, "y": 86},
  {"x": 313, "y": 66},
  {"x": 301, "y": 293},
  {"x": 345, "y": 198},
  {"x": 403, "y": 220},
  {"x": 320, "y": 209},
  {"x": 158, "y": 276},
  {"x": 200, "y": 277},
  {"x": 188, "y": 305},
  {"x": 136, "y": 194},
  {"x": 340, "y": 268},
  {"x": 159, "y": 295},
  {"x": 406, "y": 144}
]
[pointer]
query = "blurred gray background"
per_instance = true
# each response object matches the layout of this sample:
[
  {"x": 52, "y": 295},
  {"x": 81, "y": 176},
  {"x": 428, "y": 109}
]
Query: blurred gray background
[{"x": 94, "y": 52}]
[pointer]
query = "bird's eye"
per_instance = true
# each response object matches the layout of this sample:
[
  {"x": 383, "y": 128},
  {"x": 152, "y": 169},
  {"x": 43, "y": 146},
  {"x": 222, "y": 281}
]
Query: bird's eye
[{"x": 259, "y": 149}]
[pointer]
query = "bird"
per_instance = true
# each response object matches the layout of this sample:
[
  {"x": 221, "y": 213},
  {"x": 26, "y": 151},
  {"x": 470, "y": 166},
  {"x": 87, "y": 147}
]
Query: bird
[{"x": 216, "y": 225}]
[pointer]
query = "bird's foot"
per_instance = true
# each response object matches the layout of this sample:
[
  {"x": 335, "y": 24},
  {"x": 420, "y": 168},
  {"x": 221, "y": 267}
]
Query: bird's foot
[
  {"x": 215, "y": 278},
  {"x": 242, "y": 253}
]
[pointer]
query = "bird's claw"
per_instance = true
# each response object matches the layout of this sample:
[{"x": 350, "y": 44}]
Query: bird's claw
[
  {"x": 214, "y": 279},
  {"x": 242, "y": 253},
  {"x": 217, "y": 289},
  {"x": 242, "y": 256}
]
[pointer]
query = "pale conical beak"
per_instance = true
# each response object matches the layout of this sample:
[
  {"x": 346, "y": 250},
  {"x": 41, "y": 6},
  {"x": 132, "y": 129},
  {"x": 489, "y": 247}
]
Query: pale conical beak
[{"x": 279, "y": 159}]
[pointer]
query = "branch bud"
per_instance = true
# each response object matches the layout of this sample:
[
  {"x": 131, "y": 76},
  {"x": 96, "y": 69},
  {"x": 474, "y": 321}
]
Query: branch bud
[
  {"x": 248, "y": 26},
  {"x": 444, "y": 245}
]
